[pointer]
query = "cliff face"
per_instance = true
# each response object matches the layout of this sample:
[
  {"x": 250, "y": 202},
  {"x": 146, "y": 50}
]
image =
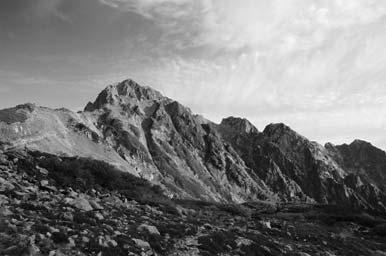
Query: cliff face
[
  {"x": 142, "y": 132},
  {"x": 362, "y": 159},
  {"x": 300, "y": 170}
]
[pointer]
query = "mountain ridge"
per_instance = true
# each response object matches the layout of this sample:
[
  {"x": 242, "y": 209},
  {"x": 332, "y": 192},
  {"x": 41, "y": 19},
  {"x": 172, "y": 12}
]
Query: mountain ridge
[{"x": 140, "y": 131}]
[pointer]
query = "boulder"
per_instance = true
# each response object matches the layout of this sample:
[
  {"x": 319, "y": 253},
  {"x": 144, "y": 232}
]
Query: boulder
[
  {"x": 141, "y": 244},
  {"x": 5, "y": 185},
  {"x": 81, "y": 204},
  {"x": 95, "y": 205},
  {"x": 152, "y": 230}
]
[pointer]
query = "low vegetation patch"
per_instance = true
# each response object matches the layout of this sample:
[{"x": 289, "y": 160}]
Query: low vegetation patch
[{"x": 85, "y": 174}]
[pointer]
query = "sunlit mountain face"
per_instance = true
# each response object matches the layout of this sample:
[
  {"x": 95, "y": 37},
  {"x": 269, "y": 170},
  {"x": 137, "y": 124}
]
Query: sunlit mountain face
[{"x": 315, "y": 65}]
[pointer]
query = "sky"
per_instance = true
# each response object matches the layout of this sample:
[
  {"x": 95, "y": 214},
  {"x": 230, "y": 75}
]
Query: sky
[{"x": 317, "y": 65}]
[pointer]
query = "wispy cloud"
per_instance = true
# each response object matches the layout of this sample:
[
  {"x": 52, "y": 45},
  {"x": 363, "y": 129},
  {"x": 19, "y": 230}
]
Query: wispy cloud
[
  {"x": 50, "y": 8},
  {"x": 154, "y": 9},
  {"x": 270, "y": 23},
  {"x": 317, "y": 64}
]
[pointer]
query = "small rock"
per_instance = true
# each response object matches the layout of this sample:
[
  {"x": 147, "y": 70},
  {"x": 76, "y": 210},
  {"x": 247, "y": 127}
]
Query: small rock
[
  {"x": 44, "y": 183},
  {"x": 141, "y": 244},
  {"x": 42, "y": 170},
  {"x": 207, "y": 226},
  {"x": 56, "y": 253},
  {"x": 117, "y": 233},
  {"x": 68, "y": 216},
  {"x": 6, "y": 185},
  {"x": 303, "y": 254},
  {"x": 68, "y": 200},
  {"x": 12, "y": 228},
  {"x": 95, "y": 205},
  {"x": 72, "y": 194},
  {"x": 71, "y": 242},
  {"x": 102, "y": 241},
  {"x": 106, "y": 241},
  {"x": 112, "y": 243},
  {"x": 148, "y": 229},
  {"x": 267, "y": 224},
  {"x": 4, "y": 211},
  {"x": 81, "y": 204},
  {"x": 99, "y": 216},
  {"x": 53, "y": 230},
  {"x": 241, "y": 241},
  {"x": 265, "y": 248},
  {"x": 3, "y": 200},
  {"x": 289, "y": 247}
]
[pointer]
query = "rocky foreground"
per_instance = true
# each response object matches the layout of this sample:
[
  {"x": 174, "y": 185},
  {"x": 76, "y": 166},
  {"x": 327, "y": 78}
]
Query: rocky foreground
[{"x": 51, "y": 205}]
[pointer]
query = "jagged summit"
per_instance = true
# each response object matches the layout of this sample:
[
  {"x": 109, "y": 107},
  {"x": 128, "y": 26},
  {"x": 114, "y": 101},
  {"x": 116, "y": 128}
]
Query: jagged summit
[
  {"x": 240, "y": 125},
  {"x": 277, "y": 131},
  {"x": 124, "y": 92},
  {"x": 360, "y": 143}
]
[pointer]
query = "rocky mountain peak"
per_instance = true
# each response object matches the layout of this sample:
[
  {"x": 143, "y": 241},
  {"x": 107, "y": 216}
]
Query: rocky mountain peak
[
  {"x": 360, "y": 144},
  {"x": 276, "y": 128},
  {"x": 279, "y": 131},
  {"x": 30, "y": 107},
  {"x": 125, "y": 92},
  {"x": 239, "y": 125},
  {"x": 361, "y": 150}
]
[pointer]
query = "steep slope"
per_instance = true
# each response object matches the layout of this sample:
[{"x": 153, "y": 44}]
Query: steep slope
[
  {"x": 59, "y": 131},
  {"x": 144, "y": 133},
  {"x": 186, "y": 155},
  {"x": 252, "y": 147},
  {"x": 299, "y": 169},
  {"x": 362, "y": 159}
]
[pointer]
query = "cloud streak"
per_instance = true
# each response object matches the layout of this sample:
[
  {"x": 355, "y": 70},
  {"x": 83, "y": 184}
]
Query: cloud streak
[
  {"x": 293, "y": 61},
  {"x": 317, "y": 64}
]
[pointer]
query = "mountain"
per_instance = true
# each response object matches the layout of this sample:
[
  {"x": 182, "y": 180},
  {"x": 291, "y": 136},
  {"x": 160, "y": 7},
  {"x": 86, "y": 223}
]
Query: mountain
[{"x": 141, "y": 132}]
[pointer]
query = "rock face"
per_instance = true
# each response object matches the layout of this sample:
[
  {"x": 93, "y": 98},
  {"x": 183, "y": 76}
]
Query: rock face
[
  {"x": 301, "y": 170},
  {"x": 362, "y": 159},
  {"x": 140, "y": 131}
]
